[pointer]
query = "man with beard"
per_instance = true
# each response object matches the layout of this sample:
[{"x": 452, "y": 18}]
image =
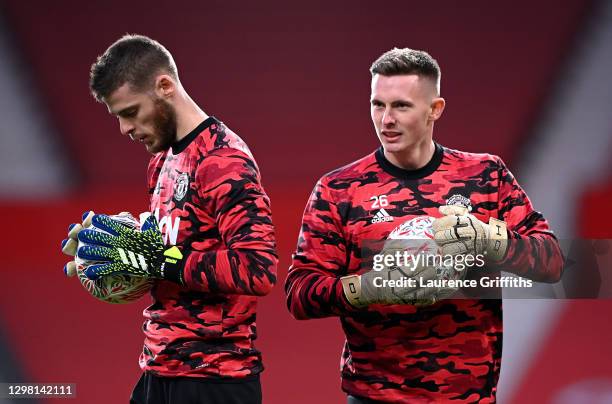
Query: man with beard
[{"x": 218, "y": 251}]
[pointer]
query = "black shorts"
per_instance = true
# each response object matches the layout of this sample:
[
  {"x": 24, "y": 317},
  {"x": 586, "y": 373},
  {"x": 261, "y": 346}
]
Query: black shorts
[{"x": 152, "y": 389}]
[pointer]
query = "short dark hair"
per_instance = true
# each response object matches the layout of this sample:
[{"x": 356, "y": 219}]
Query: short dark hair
[
  {"x": 133, "y": 59},
  {"x": 407, "y": 61}
]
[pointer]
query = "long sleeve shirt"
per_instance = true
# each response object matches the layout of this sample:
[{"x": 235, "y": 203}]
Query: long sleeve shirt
[
  {"x": 402, "y": 353},
  {"x": 206, "y": 192}
]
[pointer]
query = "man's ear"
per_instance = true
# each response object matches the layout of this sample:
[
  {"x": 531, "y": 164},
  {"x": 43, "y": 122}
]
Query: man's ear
[
  {"x": 436, "y": 108},
  {"x": 165, "y": 86}
]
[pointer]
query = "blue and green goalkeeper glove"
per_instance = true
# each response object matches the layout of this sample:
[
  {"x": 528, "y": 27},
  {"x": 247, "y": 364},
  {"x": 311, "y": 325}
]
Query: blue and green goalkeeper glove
[{"x": 124, "y": 250}]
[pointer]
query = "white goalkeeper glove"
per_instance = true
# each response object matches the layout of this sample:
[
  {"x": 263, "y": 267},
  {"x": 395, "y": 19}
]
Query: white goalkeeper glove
[
  {"x": 459, "y": 232},
  {"x": 364, "y": 290}
]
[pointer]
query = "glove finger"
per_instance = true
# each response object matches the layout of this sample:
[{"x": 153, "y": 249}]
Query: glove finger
[
  {"x": 95, "y": 271},
  {"x": 409, "y": 246},
  {"x": 427, "y": 273},
  {"x": 423, "y": 270},
  {"x": 87, "y": 217},
  {"x": 452, "y": 222},
  {"x": 96, "y": 237},
  {"x": 95, "y": 253},
  {"x": 469, "y": 221},
  {"x": 423, "y": 275},
  {"x": 457, "y": 234},
  {"x": 456, "y": 248},
  {"x": 150, "y": 224},
  {"x": 70, "y": 269},
  {"x": 453, "y": 234},
  {"x": 453, "y": 210},
  {"x": 443, "y": 223},
  {"x": 69, "y": 246},
  {"x": 465, "y": 233},
  {"x": 420, "y": 297},
  {"x": 107, "y": 224},
  {"x": 73, "y": 230},
  {"x": 446, "y": 236}
]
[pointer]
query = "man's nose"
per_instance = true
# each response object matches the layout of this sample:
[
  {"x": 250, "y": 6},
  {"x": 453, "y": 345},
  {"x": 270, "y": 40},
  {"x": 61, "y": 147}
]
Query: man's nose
[
  {"x": 388, "y": 118},
  {"x": 126, "y": 127}
]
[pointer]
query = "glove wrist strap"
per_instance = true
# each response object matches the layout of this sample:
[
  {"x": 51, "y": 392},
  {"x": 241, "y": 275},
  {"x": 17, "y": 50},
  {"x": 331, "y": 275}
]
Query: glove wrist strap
[
  {"x": 171, "y": 268},
  {"x": 351, "y": 286},
  {"x": 498, "y": 239}
]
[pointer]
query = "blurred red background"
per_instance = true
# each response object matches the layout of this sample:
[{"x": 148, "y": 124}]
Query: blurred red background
[{"x": 293, "y": 81}]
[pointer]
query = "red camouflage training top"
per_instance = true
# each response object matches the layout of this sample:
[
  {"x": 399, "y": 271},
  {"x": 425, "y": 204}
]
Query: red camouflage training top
[
  {"x": 206, "y": 192},
  {"x": 447, "y": 352}
]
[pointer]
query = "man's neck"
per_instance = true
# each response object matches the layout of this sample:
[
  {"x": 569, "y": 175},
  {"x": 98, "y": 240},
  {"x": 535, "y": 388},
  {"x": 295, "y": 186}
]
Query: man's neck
[
  {"x": 414, "y": 158},
  {"x": 188, "y": 116}
]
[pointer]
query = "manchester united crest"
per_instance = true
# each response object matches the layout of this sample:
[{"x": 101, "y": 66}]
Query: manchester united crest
[
  {"x": 460, "y": 200},
  {"x": 181, "y": 185}
]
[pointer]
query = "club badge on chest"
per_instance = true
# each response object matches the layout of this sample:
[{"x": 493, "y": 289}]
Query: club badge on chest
[{"x": 181, "y": 186}]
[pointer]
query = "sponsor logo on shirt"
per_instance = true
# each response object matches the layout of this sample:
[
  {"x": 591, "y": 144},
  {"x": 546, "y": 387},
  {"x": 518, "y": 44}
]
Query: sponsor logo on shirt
[{"x": 382, "y": 216}]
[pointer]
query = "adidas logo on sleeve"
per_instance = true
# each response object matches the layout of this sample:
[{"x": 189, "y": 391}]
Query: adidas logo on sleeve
[{"x": 382, "y": 216}]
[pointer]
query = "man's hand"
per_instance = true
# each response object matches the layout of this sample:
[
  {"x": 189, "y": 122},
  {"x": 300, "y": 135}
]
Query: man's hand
[
  {"x": 69, "y": 245},
  {"x": 370, "y": 288},
  {"x": 125, "y": 250},
  {"x": 459, "y": 232}
]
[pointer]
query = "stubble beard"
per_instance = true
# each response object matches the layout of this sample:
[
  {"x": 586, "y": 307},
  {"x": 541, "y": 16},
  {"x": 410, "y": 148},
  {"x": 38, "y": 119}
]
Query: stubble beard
[{"x": 164, "y": 125}]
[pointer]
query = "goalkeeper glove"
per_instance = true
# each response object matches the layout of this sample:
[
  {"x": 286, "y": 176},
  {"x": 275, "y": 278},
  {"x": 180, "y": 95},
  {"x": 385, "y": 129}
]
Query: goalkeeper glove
[
  {"x": 458, "y": 232},
  {"x": 125, "y": 250},
  {"x": 402, "y": 281},
  {"x": 69, "y": 245}
]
